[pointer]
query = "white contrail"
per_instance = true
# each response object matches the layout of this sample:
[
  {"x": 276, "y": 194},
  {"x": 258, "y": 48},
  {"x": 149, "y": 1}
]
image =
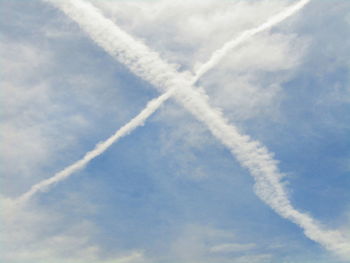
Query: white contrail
[
  {"x": 147, "y": 64},
  {"x": 100, "y": 148},
  {"x": 154, "y": 104},
  {"x": 222, "y": 52}
]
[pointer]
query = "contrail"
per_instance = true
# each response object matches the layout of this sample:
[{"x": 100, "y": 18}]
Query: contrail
[
  {"x": 147, "y": 64},
  {"x": 276, "y": 19},
  {"x": 154, "y": 104}
]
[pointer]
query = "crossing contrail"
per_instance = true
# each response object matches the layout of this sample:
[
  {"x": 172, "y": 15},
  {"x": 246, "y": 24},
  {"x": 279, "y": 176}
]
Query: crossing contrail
[
  {"x": 147, "y": 64},
  {"x": 154, "y": 104}
]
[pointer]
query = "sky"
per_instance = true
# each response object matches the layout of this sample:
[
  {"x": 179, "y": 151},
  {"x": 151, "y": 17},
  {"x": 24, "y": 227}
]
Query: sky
[{"x": 171, "y": 191}]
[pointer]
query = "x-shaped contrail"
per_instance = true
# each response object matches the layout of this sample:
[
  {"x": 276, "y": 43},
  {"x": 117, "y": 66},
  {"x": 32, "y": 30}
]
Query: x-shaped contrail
[
  {"x": 147, "y": 64},
  {"x": 154, "y": 104}
]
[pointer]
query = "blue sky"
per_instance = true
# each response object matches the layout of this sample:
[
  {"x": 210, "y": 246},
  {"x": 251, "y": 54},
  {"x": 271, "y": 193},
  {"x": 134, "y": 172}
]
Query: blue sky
[{"x": 170, "y": 191}]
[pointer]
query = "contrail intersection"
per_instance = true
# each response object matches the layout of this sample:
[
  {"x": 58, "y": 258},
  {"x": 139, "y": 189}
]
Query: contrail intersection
[{"x": 148, "y": 65}]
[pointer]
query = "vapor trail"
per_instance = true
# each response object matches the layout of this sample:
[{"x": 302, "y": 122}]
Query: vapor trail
[
  {"x": 154, "y": 104},
  {"x": 221, "y": 53},
  {"x": 147, "y": 64}
]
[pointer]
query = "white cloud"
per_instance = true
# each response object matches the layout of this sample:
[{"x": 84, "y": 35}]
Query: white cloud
[
  {"x": 171, "y": 26},
  {"x": 199, "y": 243},
  {"x": 134, "y": 257},
  {"x": 30, "y": 131},
  {"x": 259, "y": 258},
  {"x": 26, "y": 105},
  {"x": 232, "y": 247},
  {"x": 240, "y": 84},
  {"x": 37, "y": 234},
  {"x": 47, "y": 111}
]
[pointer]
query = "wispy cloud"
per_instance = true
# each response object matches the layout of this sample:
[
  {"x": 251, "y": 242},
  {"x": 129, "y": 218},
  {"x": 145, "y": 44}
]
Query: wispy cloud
[
  {"x": 134, "y": 257},
  {"x": 154, "y": 104},
  {"x": 147, "y": 64},
  {"x": 220, "y": 53},
  {"x": 30, "y": 234},
  {"x": 232, "y": 247}
]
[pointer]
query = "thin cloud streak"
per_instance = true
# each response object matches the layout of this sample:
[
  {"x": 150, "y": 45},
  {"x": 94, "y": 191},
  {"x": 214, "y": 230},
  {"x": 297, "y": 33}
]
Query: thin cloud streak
[
  {"x": 154, "y": 104},
  {"x": 147, "y": 64},
  {"x": 219, "y": 54},
  {"x": 137, "y": 121}
]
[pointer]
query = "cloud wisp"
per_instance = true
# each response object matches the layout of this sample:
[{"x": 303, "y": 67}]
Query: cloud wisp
[
  {"x": 219, "y": 54},
  {"x": 251, "y": 154},
  {"x": 154, "y": 104}
]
